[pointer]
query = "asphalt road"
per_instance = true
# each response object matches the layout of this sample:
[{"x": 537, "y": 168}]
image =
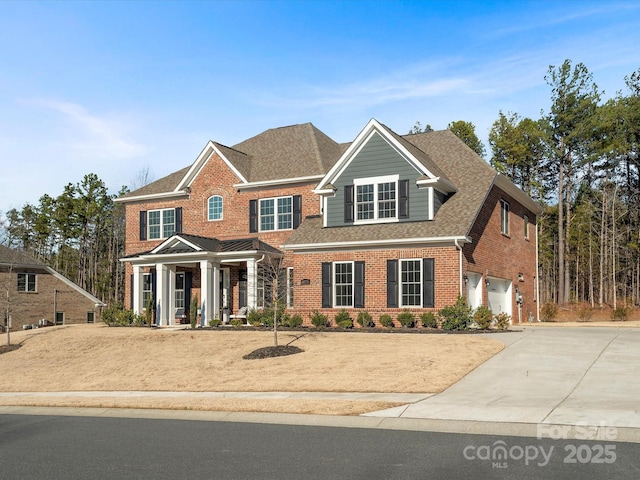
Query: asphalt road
[{"x": 57, "y": 447}]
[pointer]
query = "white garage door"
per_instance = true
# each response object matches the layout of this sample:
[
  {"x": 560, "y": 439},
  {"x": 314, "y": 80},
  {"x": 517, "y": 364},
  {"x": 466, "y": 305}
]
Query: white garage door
[{"x": 499, "y": 295}]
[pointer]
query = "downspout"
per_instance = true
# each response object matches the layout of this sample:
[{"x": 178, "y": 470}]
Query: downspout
[
  {"x": 537, "y": 276},
  {"x": 455, "y": 241}
]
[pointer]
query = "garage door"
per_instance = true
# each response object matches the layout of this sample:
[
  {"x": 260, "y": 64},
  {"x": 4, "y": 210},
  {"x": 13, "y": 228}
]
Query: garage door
[{"x": 499, "y": 295}]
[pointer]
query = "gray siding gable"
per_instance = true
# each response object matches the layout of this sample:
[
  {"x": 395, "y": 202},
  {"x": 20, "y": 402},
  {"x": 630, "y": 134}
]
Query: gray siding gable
[{"x": 378, "y": 158}]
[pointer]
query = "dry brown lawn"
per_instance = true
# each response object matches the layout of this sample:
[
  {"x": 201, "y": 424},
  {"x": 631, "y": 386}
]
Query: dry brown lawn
[{"x": 99, "y": 358}]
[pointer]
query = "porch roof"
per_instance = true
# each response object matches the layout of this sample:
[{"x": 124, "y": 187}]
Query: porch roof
[{"x": 183, "y": 243}]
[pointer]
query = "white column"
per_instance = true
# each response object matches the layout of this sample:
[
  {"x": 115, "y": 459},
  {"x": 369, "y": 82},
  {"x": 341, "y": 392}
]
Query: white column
[
  {"x": 171, "y": 292},
  {"x": 252, "y": 283},
  {"x": 137, "y": 290},
  {"x": 216, "y": 293},
  {"x": 162, "y": 304},
  {"x": 206, "y": 287}
]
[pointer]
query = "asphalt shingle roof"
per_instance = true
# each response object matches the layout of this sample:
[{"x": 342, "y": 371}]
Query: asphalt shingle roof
[{"x": 9, "y": 256}]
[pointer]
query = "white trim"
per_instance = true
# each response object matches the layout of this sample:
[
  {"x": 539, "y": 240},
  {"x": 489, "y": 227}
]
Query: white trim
[
  {"x": 280, "y": 181},
  {"x": 276, "y": 214},
  {"x": 431, "y": 201},
  {"x": 438, "y": 183},
  {"x": 334, "y": 284},
  {"x": 175, "y": 238},
  {"x": 202, "y": 159},
  {"x": 221, "y": 208},
  {"x": 400, "y": 283},
  {"x": 161, "y": 224},
  {"x": 448, "y": 241},
  {"x": 152, "y": 196},
  {"x": 375, "y": 181},
  {"x": 77, "y": 288}
]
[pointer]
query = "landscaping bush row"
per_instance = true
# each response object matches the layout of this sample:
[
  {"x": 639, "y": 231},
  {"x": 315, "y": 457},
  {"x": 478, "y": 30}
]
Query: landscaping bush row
[{"x": 453, "y": 317}]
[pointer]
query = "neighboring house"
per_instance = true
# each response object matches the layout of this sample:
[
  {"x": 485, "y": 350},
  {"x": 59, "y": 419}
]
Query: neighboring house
[
  {"x": 31, "y": 291},
  {"x": 384, "y": 223}
]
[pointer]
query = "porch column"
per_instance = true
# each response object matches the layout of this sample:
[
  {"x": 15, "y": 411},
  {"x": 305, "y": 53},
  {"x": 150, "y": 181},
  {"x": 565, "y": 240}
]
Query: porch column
[
  {"x": 216, "y": 294},
  {"x": 207, "y": 289},
  {"x": 171, "y": 292},
  {"x": 162, "y": 303},
  {"x": 137, "y": 290},
  {"x": 252, "y": 283}
]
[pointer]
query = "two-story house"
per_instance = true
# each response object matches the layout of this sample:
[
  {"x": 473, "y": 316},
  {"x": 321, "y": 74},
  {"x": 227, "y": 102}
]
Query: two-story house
[{"x": 384, "y": 223}]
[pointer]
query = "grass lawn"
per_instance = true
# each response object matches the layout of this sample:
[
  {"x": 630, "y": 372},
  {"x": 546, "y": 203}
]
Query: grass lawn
[{"x": 99, "y": 358}]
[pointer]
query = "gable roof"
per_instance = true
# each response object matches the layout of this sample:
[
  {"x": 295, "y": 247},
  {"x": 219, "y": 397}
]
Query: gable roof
[
  {"x": 472, "y": 177},
  {"x": 15, "y": 258},
  {"x": 285, "y": 154}
]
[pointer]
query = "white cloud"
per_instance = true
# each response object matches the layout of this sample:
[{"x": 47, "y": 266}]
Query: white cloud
[{"x": 103, "y": 137}]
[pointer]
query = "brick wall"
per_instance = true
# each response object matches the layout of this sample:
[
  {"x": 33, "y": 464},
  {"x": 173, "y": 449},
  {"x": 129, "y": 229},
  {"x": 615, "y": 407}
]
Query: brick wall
[
  {"x": 28, "y": 308},
  {"x": 494, "y": 254}
]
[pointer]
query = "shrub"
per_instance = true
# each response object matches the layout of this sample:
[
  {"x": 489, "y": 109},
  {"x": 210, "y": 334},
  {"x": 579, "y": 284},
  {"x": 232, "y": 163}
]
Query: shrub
[
  {"x": 254, "y": 317},
  {"x": 483, "y": 316},
  {"x": 620, "y": 313},
  {"x": 428, "y": 320},
  {"x": 236, "y": 322},
  {"x": 193, "y": 311},
  {"x": 266, "y": 317},
  {"x": 386, "y": 320},
  {"x": 457, "y": 316},
  {"x": 215, "y": 322},
  {"x": 549, "y": 311},
  {"x": 364, "y": 320},
  {"x": 584, "y": 312},
  {"x": 294, "y": 321},
  {"x": 319, "y": 320},
  {"x": 407, "y": 319},
  {"x": 117, "y": 316},
  {"x": 503, "y": 321},
  {"x": 343, "y": 319}
]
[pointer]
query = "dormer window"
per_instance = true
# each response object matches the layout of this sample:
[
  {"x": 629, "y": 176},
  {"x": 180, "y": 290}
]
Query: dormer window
[{"x": 376, "y": 200}]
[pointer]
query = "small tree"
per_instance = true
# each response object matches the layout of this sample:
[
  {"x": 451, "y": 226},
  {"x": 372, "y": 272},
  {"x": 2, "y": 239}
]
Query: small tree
[{"x": 193, "y": 311}]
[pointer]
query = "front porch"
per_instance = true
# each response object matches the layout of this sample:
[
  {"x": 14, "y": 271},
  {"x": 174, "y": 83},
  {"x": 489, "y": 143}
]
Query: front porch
[{"x": 222, "y": 274}]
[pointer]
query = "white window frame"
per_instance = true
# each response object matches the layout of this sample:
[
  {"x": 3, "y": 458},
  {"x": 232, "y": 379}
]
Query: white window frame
[
  {"x": 335, "y": 284},
  {"x": 212, "y": 211},
  {"x": 504, "y": 217},
  {"x": 30, "y": 282},
  {"x": 146, "y": 281},
  {"x": 162, "y": 223},
  {"x": 276, "y": 213},
  {"x": 375, "y": 182},
  {"x": 526, "y": 227},
  {"x": 401, "y": 282}
]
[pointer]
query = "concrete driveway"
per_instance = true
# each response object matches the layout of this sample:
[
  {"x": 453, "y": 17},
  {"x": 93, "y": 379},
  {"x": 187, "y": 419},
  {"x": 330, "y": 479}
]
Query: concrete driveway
[{"x": 554, "y": 375}]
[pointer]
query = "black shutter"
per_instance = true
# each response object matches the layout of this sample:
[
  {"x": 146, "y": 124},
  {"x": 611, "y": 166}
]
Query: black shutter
[
  {"x": 297, "y": 210},
  {"x": 392, "y": 283},
  {"x": 358, "y": 284},
  {"x": 326, "y": 285},
  {"x": 348, "y": 204},
  {"x": 178, "y": 220},
  {"x": 253, "y": 216},
  {"x": 428, "y": 282},
  {"x": 188, "y": 282},
  {"x": 143, "y": 225},
  {"x": 403, "y": 199}
]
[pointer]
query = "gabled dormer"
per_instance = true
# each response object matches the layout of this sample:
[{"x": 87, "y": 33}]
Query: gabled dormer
[{"x": 382, "y": 178}]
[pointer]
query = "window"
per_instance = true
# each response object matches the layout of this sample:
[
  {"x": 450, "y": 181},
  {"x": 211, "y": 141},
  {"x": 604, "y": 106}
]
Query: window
[
  {"x": 276, "y": 213},
  {"x": 179, "y": 291},
  {"x": 147, "y": 290},
  {"x": 290, "y": 287},
  {"x": 215, "y": 208},
  {"x": 411, "y": 283},
  {"x": 59, "y": 318},
  {"x": 91, "y": 317},
  {"x": 343, "y": 278},
  {"x": 26, "y": 282},
  {"x": 162, "y": 223},
  {"x": 376, "y": 198},
  {"x": 526, "y": 226},
  {"x": 504, "y": 217},
  {"x": 343, "y": 284}
]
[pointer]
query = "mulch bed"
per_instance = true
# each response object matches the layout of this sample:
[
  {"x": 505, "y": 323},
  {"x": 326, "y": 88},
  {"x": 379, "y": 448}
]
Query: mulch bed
[
  {"x": 269, "y": 352},
  {"x": 9, "y": 348}
]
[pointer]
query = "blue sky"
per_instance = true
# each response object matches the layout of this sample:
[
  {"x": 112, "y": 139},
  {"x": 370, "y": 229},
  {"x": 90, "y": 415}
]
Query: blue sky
[{"x": 114, "y": 87}]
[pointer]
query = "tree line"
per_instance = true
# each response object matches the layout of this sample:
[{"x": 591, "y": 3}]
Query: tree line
[{"x": 579, "y": 160}]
